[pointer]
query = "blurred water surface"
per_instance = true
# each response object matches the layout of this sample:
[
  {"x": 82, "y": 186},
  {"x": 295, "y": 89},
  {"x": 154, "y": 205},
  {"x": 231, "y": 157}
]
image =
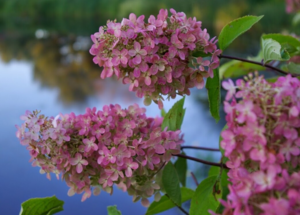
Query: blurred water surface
[{"x": 45, "y": 65}]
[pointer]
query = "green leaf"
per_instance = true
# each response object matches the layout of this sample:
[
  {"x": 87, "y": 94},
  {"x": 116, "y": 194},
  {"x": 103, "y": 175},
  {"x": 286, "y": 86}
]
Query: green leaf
[
  {"x": 296, "y": 19},
  {"x": 112, "y": 210},
  {"x": 200, "y": 54},
  {"x": 213, "y": 170},
  {"x": 224, "y": 183},
  {"x": 293, "y": 68},
  {"x": 235, "y": 28},
  {"x": 287, "y": 42},
  {"x": 272, "y": 51},
  {"x": 224, "y": 187},
  {"x": 42, "y": 206},
  {"x": 234, "y": 68},
  {"x": 225, "y": 159},
  {"x": 213, "y": 87},
  {"x": 170, "y": 181},
  {"x": 206, "y": 197},
  {"x": 272, "y": 80},
  {"x": 224, "y": 176},
  {"x": 258, "y": 57},
  {"x": 165, "y": 203},
  {"x": 181, "y": 168},
  {"x": 163, "y": 112},
  {"x": 173, "y": 119}
]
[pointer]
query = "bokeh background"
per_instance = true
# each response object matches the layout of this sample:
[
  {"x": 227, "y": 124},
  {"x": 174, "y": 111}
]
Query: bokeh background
[{"x": 45, "y": 65}]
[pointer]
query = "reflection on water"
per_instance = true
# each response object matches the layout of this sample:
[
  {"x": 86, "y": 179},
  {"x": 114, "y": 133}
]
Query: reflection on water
[
  {"x": 45, "y": 65},
  {"x": 58, "y": 64},
  {"x": 59, "y": 51},
  {"x": 54, "y": 34}
]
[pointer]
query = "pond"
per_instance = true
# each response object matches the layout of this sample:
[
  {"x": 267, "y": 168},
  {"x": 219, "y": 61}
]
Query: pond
[{"x": 45, "y": 65}]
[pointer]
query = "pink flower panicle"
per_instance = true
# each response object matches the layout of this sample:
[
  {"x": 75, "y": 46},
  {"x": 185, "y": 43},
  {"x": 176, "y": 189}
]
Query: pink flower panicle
[
  {"x": 262, "y": 144},
  {"x": 101, "y": 148},
  {"x": 153, "y": 57}
]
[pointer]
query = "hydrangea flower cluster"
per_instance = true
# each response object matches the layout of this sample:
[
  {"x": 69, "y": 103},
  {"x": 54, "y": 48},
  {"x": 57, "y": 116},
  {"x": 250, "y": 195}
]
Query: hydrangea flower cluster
[
  {"x": 153, "y": 58},
  {"x": 262, "y": 143},
  {"x": 101, "y": 148},
  {"x": 292, "y": 6}
]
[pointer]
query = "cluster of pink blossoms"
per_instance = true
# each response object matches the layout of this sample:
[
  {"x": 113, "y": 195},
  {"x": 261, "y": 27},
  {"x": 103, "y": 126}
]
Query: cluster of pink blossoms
[
  {"x": 101, "y": 148},
  {"x": 262, "y": 143},
  {"x": 154, "y": 57},
  {"x": 292, "y": 6}
]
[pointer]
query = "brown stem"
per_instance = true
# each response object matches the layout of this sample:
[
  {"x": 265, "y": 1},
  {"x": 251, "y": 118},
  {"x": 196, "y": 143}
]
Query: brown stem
[
  {"x": 194, "y": 178},
  {"x": 180, "y": 208},
  {"x": 183, "y": 211},
  {"x": 258, "y": 63},
  {"x": 200, "y": 148},
  {"x": 202, "y": 161}
]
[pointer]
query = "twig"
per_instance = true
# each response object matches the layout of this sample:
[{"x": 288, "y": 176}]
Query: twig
[
  {"x": 200, "y": 148},
  {"x": 202, "y": 161},
  {"x": 195, "y": 179},
  {"x": 159, "y": 168},
  {"x": 180, "y": 208},
  {"x": 183, "y": 211},
  {"x": 258, "y": 63}
]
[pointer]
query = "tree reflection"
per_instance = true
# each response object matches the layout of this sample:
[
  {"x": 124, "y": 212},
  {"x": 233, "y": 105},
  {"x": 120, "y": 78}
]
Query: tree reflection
[
  {"x": 61, "y": 60},
  {"x": 71, "y": 71}
]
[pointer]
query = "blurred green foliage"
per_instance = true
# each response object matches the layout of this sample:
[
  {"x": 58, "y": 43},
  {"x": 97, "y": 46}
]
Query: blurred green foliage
[{"x": 84, "y": 17}]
